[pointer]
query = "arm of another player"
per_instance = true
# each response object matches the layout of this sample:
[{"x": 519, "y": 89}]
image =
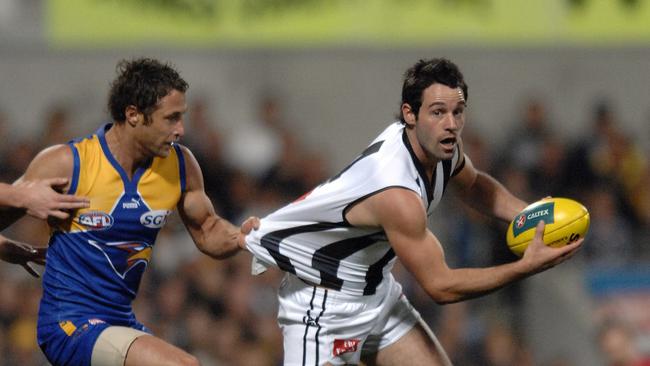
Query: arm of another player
[
  {"x": 213, "y": 235},
  {"x": 51, "y": 167},
  {"x": 35, "y": 192},
  {"x": 40, "y": 198},
  {"x": 401, "y": 214},
  {"x": 481, "y": 191},
  {"x": 20, "y": 253}
]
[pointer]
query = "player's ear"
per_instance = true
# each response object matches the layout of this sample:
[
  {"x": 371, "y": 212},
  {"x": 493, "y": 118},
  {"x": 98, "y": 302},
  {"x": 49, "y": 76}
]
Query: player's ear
[
  {"x": 131, "y": 113},
  {"x": 408, "y": 115}
]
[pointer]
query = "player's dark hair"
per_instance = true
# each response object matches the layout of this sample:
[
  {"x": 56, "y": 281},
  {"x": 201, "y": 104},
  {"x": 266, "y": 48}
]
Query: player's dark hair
[
  {"x": 426, "y": 73},
  {"x": 142, "y": 83}
]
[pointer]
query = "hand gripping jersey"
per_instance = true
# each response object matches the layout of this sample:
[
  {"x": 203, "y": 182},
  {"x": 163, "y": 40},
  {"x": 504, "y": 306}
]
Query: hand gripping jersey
[
  {"x": 311, "y": 237},
  {"x": 95, "y": 261}
]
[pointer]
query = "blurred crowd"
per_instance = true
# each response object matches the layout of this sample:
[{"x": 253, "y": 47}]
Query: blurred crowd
[{"x": 223, "y": 315}]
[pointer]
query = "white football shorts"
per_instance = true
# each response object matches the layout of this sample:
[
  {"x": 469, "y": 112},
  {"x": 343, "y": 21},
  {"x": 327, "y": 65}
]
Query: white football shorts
[{"x": 320, "y": 325}]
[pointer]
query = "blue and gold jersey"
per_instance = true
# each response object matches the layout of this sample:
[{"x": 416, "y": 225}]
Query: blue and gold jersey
[{"x": 96, "y": 259}]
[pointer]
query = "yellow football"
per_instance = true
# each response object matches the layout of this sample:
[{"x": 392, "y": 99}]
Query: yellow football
[{"x": 566, "y": 220}]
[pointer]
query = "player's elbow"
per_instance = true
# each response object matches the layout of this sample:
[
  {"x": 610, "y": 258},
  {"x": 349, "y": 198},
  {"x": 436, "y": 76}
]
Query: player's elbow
[
  {"x": 442, "y": 293},
  {"x": 214, "y": 251},
  {"x": 209, "y": 253},
  {"x": 443, "y": 297}
]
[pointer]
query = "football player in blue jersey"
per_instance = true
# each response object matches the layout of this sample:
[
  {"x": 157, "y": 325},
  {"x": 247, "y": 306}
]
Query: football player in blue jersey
[{"x": 135, "y": 173}]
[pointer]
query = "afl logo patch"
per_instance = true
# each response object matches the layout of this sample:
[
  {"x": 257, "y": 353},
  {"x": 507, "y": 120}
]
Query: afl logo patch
[
  {"x": 96, "y": 220},
  {"x": 154, "y": 219}
]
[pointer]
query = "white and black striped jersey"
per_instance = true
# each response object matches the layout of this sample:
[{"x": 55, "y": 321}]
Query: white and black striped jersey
[{"x": 311, "y": 238}]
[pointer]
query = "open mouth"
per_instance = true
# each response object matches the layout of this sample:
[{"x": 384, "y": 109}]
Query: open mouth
[{"x": 449, "y": 142}]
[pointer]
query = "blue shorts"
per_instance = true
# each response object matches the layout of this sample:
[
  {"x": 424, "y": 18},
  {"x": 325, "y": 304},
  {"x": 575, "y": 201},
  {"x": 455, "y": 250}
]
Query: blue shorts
[{"x": 71, "y": 343}]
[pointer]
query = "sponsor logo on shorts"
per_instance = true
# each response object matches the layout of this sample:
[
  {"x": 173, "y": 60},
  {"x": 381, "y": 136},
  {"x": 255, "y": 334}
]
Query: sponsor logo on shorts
[
  {"x": 342, "y": 346},
  {"x": 68, "y": 327},
  {"x": 95, "y": 321}
]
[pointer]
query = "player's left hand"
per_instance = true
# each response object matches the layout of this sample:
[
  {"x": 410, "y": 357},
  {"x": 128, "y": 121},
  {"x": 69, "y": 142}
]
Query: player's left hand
[
  {"x": 42, "y": 200},
  {"x": 251, "y": 223},
  {"x": 21, "y": 253}
]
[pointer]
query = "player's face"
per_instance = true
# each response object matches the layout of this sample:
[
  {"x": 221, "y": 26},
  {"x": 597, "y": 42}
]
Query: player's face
[
  {"x": 167, "y": 124},
  {"x": 440, "y": 121}
]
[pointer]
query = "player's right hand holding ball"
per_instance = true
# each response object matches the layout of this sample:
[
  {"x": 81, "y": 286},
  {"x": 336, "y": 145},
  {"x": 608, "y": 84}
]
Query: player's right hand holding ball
[{"x": 540, "y": 257}]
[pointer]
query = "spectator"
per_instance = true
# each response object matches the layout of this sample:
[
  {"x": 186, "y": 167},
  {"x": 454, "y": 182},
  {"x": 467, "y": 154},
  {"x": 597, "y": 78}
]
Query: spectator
[
  {"x": 618, "y": 343},
  {"x": 525, "y": 143},
  {"x": 256, "y": 146}
]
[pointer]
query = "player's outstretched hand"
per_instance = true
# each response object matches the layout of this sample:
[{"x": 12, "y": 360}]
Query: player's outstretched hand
[
  {"x": 41, "y": 199},
  {"x": 20, "y": 253},
  {"x": 251, "y": 223},
  {"x": 541, "y": 257}
]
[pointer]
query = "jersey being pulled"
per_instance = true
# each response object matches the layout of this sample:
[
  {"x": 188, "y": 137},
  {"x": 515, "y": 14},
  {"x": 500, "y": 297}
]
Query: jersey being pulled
[
  {"x": 311, "y": 237},
  {"x": 96, "y": 259}
]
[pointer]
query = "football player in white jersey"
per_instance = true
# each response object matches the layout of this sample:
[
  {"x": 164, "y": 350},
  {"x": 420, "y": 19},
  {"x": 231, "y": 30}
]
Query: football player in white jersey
[{"x": 339, "y": 303}]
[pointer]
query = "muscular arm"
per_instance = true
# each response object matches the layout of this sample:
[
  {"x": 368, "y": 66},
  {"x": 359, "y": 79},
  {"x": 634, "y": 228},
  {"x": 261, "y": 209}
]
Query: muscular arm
[
  {"x": 212, "y": 234},
  {"x": 481, "y": 191},
  {"x": 34, "y": 193},
  {"x": 402, "y": 216}
]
